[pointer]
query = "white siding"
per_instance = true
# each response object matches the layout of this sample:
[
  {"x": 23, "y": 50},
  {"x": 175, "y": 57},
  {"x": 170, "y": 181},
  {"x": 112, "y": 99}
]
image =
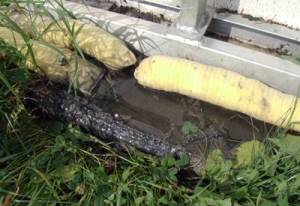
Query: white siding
[{"x": 285, "y": 12}]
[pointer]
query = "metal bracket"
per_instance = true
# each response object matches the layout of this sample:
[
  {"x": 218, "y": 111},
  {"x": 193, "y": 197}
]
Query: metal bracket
[
  {"x": 192, "y": 15},
  {"x": 194, "y": 19},
  {"x": 258, "y": 33}
]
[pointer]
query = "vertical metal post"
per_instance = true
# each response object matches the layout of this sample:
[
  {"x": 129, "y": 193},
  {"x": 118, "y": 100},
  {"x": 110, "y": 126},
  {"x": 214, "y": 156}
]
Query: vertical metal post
[{"x": 192, "y": 16}]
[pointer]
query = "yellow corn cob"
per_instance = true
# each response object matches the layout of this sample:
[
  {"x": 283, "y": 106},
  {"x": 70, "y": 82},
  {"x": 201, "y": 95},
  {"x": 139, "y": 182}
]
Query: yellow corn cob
[
  {"x": 93, "y": 40},
  {"x": 56, "y": 65},
  {"x": 220, "y": 87},
  {"x": 43, "y": 54},
  {"x": 26, "y": 21}
]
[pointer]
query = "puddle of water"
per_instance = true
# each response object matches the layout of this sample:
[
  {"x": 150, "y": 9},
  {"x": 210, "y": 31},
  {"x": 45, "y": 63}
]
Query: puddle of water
[{"x": 164, "y": 114}]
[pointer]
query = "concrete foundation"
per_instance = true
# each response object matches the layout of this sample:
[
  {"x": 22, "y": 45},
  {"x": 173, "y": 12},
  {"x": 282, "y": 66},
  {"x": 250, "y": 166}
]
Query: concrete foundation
[{"x": 286, "y": 12}]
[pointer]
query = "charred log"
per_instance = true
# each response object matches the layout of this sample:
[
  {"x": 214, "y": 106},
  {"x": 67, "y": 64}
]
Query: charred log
[{"x": 58, "y": 104}]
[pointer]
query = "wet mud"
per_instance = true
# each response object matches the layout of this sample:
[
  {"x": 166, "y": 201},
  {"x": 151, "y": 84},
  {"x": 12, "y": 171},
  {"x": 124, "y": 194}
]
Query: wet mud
[
  {"x": 165, "y": 114},
  {"x": 151, "y": 121}
]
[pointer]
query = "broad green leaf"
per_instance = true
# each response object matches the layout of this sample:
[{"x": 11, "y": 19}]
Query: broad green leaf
[
  {"x": 248, "y": 175},
  {"x": 240, "y": 193},
  {"x": 104, "y": 189},
  {"x": 126, "y": 174},
  {"x": 268, "y": 203},
  {"x": 139, "y": 200},
  {"x": 216, "y": 167},
  {"x": 168, "y": 162},
  {"x": 226, "y": 202},
  {"x": 289, "y": 145},
  {"x": 205, "y": 201},
  {"x": 281, "y": 187},
  {"x": 282, "y": 201},
  {"x": 189, "y": 128},
  {"x": 271, "y": 164},
  {"x": 249, "y": 152},
  {"x": 149, "y": 198},
  {"x": 68, "y": 172},
  {"x": 89, "y": 176},
  {"x": 183, "y": 161},
  {"x": 294, "y": 184},
  {"x": 164, "y": 200}
]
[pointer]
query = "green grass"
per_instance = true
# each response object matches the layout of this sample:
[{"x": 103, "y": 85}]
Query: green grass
[{"x": 54, "y": 163}]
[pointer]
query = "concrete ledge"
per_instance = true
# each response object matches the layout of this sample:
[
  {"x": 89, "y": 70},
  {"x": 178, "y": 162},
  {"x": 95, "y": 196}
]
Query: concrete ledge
[{"x": 286, "y": 12}]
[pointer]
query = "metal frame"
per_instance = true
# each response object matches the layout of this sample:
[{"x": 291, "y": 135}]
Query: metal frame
[
  {"x": 193, "y": 15},
  {"x": 154, "y": 4},
  {"x": 151, "y": 39},
  {"x": 193, "y": 20},
  {"x": 170, "y": 12},
  {"x": 258, "y": 33}
]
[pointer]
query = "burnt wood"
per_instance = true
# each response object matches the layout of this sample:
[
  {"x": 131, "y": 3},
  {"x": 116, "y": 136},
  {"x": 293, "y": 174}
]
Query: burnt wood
[{"x": 58, "y": 104}]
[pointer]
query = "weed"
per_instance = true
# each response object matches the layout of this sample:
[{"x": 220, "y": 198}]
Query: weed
[
  {"x": 68, "y": 167},
  {"x": 58, "y": 164},
  {"x": 189, "y": 128},
  {"x": 13, "y": 82}
]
